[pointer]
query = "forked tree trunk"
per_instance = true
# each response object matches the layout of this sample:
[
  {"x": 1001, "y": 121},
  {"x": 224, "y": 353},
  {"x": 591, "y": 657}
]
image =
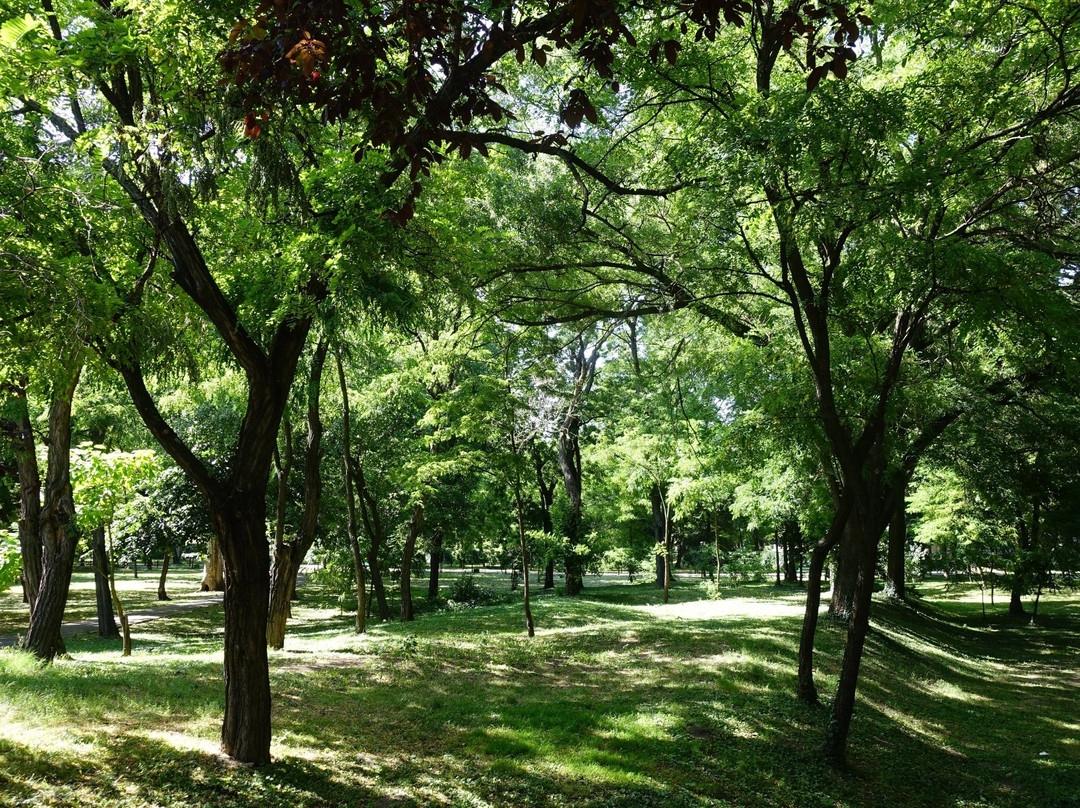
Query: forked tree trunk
[
  {"x": 161, "y": 593},
  {"x": 58, "y": 540}
]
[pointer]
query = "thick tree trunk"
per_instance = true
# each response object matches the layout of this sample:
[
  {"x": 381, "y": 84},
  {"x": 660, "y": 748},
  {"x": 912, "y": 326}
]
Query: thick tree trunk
[
  {"x": 549, "y": 574},
  {"x": 105, "y": 618},
  {"x": 434, "y": 567},
  {"x": 58, "y": 540},
  {"x": 846, "y": 575},
  {"x": 863, "y": 531},
  {"x": 896, "y": 571},
  {"x": 161, "y": 593},
  {"x": 282, "y": 574},
  {"x": 245, "y": 732},
  {"x": 213, "y": 579},
  {"x": 407, "y": 553}
]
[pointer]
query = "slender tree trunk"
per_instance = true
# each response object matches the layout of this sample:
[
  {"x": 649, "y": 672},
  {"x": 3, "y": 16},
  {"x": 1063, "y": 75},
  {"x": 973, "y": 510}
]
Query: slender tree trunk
[
  {"x": 125, "y": 627},
  {"x": 161, "y": 593},
  {"x": 896, "y": 571},
  {"x": 58, "y": 540},
  {"x": 102, "y": 590},
  {"x": 529, "y": 627},
  {"x": 807, "y": 691},
  {"x": 213, "y": 579},
  {"x": 436, "y": 563},
  {"x": 407, "y": 553},
  {"x": 1019, "y": 579},
  {"x": 656, "y": 500},
  {"x": 22, "y": 441},
  {"x": 350, "y": 500},
  {"x": 377, "y": 586},
  {"x": 292, "y": 553}
]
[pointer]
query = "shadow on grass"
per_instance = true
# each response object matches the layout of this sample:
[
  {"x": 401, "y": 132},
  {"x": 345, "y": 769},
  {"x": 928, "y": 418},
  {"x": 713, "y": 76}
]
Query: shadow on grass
[{"x": 612, "y": 704}]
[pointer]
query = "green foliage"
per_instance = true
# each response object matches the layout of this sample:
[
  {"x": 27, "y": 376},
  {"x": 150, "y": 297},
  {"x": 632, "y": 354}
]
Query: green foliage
[
  {"x": 10, "y": 558},
  {"x": 467, "y": 591}
]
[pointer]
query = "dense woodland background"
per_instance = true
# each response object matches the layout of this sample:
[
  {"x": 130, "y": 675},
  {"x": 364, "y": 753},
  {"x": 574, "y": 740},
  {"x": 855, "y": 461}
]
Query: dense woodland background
[{"x": 723, "y": 289}]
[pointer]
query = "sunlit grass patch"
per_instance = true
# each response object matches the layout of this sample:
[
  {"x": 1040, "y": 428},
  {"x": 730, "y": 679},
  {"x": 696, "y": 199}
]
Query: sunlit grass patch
[{"x": 618, "y": 701}]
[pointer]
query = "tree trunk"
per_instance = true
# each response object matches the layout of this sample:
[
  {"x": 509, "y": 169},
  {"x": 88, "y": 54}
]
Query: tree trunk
[
  {"x": 407, "y": 553},
  {"x": 213, "y": 579},
  {"x": 547, "y": 498},
  {"x": 792, "y": 541},
  {"x": 436, "y": 563},
  {"x": 896, "y": 571},
  {"x": 659, "y": 539},
  {"x": 58, "y": 541},
  {"x": 105, "y": 619},
  {"x": 350, "y": 499},
  {"x": 377, "y": 586},
  {"x": 862, "y": 531},
  {"x": 806, "y": 690},
  {"x": 529, "y": 627},
  {"x": 245, "y": 731},
  {"x": 1019, "y": 580},
  {"x": 161, "y": 593},
  {"x": 125, "y": 627},
  {"x": 25, "y": 449}
]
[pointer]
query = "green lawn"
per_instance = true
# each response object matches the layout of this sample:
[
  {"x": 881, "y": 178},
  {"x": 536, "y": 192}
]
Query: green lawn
[
  {"x": 182, "y": 583},
  {"x": 618, "y": 701}
]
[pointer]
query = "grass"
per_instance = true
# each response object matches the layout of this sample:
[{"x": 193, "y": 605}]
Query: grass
[
  {"x": 135, "y": 594},
  {"x": 618, "y": 701}
]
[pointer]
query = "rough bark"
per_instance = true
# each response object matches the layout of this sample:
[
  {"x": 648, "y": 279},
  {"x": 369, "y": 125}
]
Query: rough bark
[
  {"x": 213, "y": 579},
  {"x": 836, "y": 732},
  {"x": 105, "y": 617},
  {"x": 58, "y": 540},
  {"x": 245, "y": 732}
]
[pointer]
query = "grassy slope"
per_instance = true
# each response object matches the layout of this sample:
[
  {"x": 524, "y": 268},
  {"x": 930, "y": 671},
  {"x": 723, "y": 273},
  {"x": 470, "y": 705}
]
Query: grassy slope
[{"x": 617, "y": 702}]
